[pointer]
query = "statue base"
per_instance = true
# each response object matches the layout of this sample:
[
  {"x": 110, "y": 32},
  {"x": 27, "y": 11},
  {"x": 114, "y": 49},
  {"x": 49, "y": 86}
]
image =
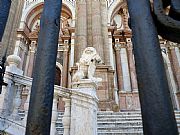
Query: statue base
[
  {"x": 84, "y": 107},
  {"x": 86, "y": 86}
]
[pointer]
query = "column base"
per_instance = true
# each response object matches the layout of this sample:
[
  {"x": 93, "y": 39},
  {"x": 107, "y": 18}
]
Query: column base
[{"x": 129, "y": 101}]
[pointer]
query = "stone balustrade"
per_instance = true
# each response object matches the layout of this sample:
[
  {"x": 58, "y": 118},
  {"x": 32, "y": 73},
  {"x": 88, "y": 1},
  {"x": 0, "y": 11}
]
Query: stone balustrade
[{"x": 15, "y": 103}]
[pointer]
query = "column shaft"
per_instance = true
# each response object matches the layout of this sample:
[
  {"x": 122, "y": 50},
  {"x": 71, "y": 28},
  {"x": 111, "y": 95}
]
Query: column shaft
[
  {"x": 4, "y": 13},
  {"x": 104, "y": 29},
  {"x": 125, "y": 70},
  {"x": 81, "y": 29},
  {"x": 42, "y": 91},
  {"x": 65, "y": 66},
  {"x": 132, "y": 67},
  {"x": 31, "y": 58},
  {"x": 118, "y": 67},
  {"x": 175, "y": 66},
  {"x": 97, "y": 28},
  {"x": 156, "y": 106},
  {"x": 89, "y": 23}
]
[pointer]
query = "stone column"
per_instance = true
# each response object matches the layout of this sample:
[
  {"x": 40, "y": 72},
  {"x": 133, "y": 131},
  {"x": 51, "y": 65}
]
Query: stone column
[
  {"x": 84, "y": 107},
  {"x": 54, "y": 115},
  {"x": 71, "y": 61},
  {"x": 18, "y": 44},
  {"x": 117, "y": 48},
  {"x": 65, "y": 64},
  {"x": 131, "y": 65},
  {"x": 125, "y": 18},
  {"x": 156, "y": 107},
  {"x": 10, "y": 33},
  {"x": 110, "y": 51},
  {"x": 175, "y": 63},
  {"x": 81, "y": 28},
  {"x": 89, "y": 23},
  {"x": 97, "y": 28},
  {"x": 4, "y": 13},
  {"x": 27, "y": 63},
  {"x": 170, "y": 78},
  {"x": 107, "y": 48},
  {"x": 31, "y": 58},
  {"x": 23, "y": 55},
  {"x": 67, "y": 116},
  {"x": 125, "y": 68},
  {"x": 177, "y": 50}
]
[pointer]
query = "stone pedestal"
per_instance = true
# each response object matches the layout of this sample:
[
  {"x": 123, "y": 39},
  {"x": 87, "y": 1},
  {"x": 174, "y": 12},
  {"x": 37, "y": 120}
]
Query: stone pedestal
[
  {"x": 84, "y": 109},
  {"x": 129, "y": 100},
  {"x": 86, "y": 87},
  {"x": 105, "y": 90}
]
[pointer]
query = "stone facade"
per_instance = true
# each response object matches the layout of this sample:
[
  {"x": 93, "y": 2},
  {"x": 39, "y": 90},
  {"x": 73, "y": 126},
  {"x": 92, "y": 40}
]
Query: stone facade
[{"x": 90, "y": 23}]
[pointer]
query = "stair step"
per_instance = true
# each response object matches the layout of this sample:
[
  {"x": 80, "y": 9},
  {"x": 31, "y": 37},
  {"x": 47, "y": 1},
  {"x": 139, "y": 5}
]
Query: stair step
[{"x": 116, "y": 123}]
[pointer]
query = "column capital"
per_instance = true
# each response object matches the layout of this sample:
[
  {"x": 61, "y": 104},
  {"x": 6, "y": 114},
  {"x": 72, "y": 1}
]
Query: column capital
[
  {"x": 171, "y": 45},
  {"x": 117, "y": 47},
  {"x": 125, "y": 10},
  {"x": 129, "y": 43},
  {"x": 33, "y": 46},
  {"x": 21, "y": 37}
]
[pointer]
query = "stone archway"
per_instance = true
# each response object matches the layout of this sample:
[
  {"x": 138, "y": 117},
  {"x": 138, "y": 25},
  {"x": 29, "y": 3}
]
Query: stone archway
[{"x": 58, "y": 77}]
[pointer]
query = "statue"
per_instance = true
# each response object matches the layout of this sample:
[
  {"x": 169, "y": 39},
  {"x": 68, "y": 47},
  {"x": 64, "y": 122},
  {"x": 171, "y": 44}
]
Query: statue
[{"x": 87, "y": 65}]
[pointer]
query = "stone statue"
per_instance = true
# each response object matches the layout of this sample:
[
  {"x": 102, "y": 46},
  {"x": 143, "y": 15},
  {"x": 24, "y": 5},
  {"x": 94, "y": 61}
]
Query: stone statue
[{"x": 87, "y": 65}]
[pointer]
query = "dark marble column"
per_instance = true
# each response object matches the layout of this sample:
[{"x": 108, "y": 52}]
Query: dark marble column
[
  {"x": 156, "y": 106},
  {"x": 4, "y": 13},
  {"x": 42, "y": 91}
]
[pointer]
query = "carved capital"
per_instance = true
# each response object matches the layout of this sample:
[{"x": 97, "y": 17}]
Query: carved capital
[
  {"x": 171, "y": 45},
  {"x": 32, "y": 46},
  {"x": 117, "y": 47}
]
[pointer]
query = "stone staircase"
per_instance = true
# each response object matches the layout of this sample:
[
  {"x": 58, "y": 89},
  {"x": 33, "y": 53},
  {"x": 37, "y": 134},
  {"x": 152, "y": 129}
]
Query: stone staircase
[
  {"x": 123, "y": 123},
  {"x": 117, "y": 123},
  {"x": 59, "y": 125}
]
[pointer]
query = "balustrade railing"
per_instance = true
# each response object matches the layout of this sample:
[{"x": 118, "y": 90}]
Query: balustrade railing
[{"x": 14, "y": 115}]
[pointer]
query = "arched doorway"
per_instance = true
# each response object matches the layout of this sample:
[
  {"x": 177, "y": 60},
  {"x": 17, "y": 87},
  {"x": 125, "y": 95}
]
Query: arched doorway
[{"x": 57, "y": 77}]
